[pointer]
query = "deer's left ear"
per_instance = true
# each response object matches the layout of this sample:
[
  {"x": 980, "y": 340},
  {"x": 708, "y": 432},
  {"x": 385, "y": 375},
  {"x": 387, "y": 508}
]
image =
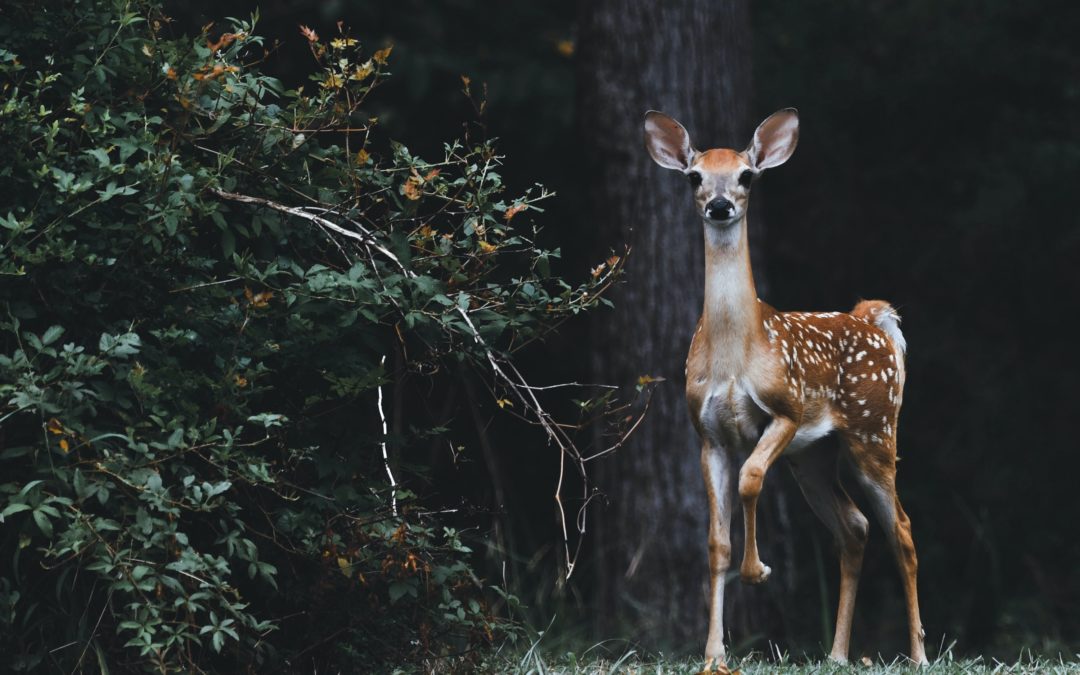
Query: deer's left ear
[{"x": 775, "y": 139}]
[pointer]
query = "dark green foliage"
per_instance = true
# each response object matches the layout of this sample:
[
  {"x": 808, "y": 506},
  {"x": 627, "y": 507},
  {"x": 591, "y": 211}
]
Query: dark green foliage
[{"x": 206, "y": 280}]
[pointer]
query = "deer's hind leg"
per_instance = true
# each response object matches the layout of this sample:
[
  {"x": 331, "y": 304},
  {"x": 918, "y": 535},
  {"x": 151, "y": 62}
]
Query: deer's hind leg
[
  {"x": 875, "y": 468},
  {"x": 816, "y": 472}
]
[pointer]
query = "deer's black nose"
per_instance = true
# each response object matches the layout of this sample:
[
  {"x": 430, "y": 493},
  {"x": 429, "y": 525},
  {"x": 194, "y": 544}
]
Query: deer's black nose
[{"x": 719, "y": 209}]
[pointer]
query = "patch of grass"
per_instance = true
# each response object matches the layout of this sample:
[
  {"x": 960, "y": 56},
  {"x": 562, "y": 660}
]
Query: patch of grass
[{"x": 536, "y": 662}]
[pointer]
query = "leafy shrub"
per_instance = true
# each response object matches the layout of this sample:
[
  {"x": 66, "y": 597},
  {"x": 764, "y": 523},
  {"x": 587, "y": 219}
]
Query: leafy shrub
[{"x": 208, "y": 282}]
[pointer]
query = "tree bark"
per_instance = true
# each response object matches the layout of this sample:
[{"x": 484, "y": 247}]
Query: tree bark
[{"x": 690, "y": 59}]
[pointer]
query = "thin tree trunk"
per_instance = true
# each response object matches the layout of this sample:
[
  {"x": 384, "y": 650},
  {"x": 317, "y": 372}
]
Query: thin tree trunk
[{"x": 689, "y": 58}]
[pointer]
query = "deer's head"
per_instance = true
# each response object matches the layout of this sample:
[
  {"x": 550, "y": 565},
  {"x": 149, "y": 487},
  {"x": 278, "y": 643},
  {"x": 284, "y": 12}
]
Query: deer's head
[{"x": 721, "y": 178}]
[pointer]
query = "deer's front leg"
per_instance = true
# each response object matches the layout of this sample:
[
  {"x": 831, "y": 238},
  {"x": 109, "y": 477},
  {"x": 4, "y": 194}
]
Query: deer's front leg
[
  {"x": 776, "y": 437},
  {"x": 719, "y": 470}
]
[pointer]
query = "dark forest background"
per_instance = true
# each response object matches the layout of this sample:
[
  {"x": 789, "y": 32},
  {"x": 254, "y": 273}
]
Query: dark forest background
[{"x": 937, "y": 168}]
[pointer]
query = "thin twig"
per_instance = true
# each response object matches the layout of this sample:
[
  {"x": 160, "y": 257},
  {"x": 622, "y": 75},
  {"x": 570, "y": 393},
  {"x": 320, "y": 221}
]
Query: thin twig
[
  {"x": 97, "y": 625},
  {"x": 208, "y": 283}
]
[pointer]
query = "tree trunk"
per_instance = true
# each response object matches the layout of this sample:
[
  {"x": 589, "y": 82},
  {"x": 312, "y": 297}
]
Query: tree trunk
[{"x": 690, "y": 59}]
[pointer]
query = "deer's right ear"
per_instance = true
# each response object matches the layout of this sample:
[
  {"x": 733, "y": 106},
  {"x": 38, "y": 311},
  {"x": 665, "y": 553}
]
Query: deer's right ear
[{"x": 667, "y": 141}]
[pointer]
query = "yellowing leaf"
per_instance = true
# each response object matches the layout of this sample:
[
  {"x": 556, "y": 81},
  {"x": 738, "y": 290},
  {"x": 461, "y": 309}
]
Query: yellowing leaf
[
  {"x": 504, "y": 402},
  {"x": 332, "y": 81},
  {"x": 361, "y": 72},
  {"x": 487, "y": 248},
  {"x": 565, "y": 47},
  {"x": 261, "y": 299},
  {"x": 240, "y": 381},
  {"x": 381, "y": 55},
  {"x": 342, "y": 43},
  {"x": 648, "y": 379},
  {"x": 55, "y": 427},
  {"x": 64, "y": 445},
  {"x": 362, "y": 156},
  {"x": 343, "y": 565},
  {"x": 311, "y": 35}
]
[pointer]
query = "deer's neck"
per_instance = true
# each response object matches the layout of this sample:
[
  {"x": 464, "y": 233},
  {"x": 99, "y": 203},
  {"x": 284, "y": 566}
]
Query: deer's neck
[{"x": 731, "y": 317}]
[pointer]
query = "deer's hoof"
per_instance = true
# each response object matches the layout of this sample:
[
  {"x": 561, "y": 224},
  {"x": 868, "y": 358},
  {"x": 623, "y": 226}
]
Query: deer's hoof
[
  {"x": 715, "y": 666},
  {"x": 754, "y": 575}
]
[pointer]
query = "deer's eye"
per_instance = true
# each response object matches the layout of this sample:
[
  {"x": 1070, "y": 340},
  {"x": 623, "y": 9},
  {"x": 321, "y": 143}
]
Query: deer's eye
[
  {"x": 746, "y": 177},
  {"x": 695, "y": 178}
]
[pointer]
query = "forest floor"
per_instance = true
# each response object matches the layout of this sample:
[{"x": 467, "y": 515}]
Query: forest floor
[{"x": 534, "y": 663}]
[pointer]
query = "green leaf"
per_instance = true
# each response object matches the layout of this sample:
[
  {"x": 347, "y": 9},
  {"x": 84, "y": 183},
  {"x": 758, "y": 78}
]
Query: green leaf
[
  {"x": 176, "y": 439},
  {"x": 43, "y": 523},
  {"x": 398, "y": 589},
  {"x": 52, "y": 335},
  {"x": 228, "y": 243},
  {"x": 14, "y": 508},
  {"x": 119, "y": 345},
  {"x": 82, "y": 488},
  {"x": 30, "y": 486}
]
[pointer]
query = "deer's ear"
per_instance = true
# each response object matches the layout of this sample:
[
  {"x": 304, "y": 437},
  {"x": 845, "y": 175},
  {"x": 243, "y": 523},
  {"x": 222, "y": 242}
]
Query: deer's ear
[
  {"x": 667, "y": 141},
  {"x": 775, "y": 139}
]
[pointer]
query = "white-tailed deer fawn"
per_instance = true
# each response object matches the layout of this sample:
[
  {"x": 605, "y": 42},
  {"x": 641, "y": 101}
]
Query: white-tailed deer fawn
[{"x": 772, "y": 382}]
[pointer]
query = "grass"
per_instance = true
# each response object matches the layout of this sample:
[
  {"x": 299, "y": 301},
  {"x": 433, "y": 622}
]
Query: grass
[{"x": 535, "y": 662}]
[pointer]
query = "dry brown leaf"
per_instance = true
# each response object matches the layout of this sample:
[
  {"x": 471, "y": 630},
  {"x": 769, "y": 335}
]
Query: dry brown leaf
[
  {"x": 382, "y": 55},
  {"x": 514, "y": 210},
  {"x": 411, "y": 189}
]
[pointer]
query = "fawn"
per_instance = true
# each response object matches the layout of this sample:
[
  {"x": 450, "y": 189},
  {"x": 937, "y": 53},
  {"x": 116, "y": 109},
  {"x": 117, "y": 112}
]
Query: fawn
[{"x": 772, "y": 383}]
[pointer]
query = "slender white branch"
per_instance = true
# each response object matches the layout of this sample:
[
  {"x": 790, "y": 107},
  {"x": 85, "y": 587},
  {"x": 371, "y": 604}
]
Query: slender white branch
[
  {"x": 365, "y": 238},
  {"x": 385, "y": 456}
]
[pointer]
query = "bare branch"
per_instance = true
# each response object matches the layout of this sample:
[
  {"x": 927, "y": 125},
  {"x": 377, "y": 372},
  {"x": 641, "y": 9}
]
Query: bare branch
[{"x": 385, "y": 457}]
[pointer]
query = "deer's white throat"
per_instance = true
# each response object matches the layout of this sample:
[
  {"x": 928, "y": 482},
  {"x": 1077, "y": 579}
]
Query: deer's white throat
[{"x": 732, "y": 314}]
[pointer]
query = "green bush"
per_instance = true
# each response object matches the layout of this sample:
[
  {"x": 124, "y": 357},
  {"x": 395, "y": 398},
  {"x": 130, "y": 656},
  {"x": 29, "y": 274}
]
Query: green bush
[{"x": 207, "y": 282}]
